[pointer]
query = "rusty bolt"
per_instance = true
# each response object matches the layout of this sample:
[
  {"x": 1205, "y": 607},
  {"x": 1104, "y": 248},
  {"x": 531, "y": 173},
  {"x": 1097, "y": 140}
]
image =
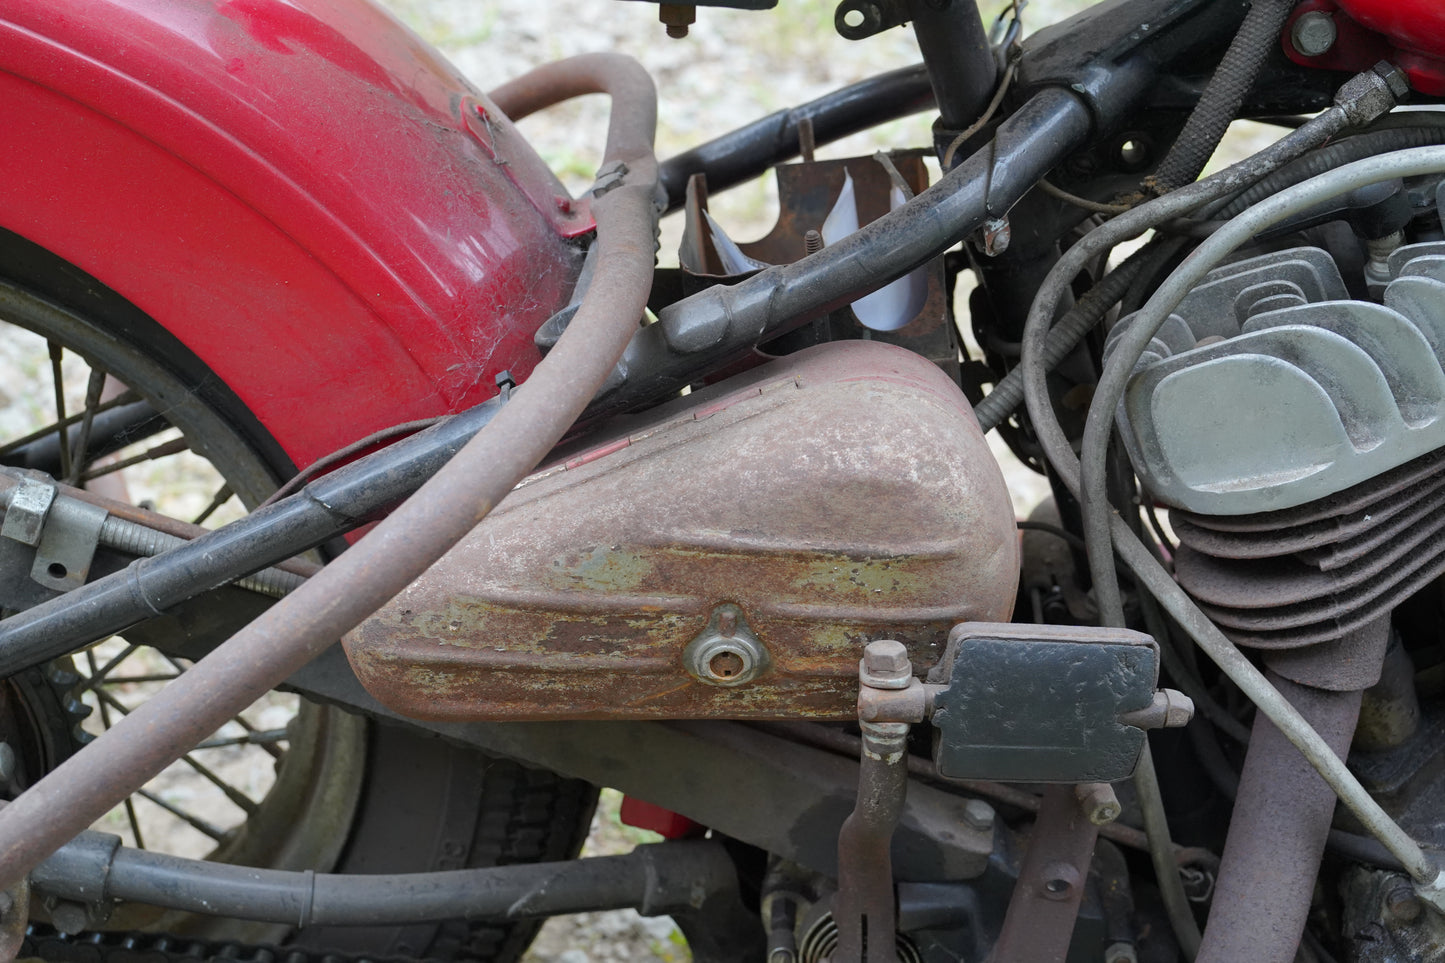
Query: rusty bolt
[
  {"x": 812, "y": 242},
  {"x": 1402, "y": 903},
  {"x": 978, "y": 815},
  {"x": 885, "y": 665},
  {"x": 1100, "y": 804}
]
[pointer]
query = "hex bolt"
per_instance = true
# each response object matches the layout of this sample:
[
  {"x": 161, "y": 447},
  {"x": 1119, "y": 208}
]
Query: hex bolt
[
  {"x": 885, "y": 665},
  {"x": 978, "y": 815},
  {"x": 1402, "y": 903},
  {"x": 1100, "y": 804},
  {"x": 1313, "y": 34}
]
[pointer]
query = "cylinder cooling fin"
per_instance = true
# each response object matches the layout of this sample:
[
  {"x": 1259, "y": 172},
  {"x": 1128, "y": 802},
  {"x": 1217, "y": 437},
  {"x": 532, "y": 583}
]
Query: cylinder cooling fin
[{"x": 1269, "y": 387}]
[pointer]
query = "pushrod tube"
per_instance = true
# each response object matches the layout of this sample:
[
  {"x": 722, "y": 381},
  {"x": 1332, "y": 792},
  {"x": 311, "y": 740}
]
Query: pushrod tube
[{"x": 401, "y": 547}]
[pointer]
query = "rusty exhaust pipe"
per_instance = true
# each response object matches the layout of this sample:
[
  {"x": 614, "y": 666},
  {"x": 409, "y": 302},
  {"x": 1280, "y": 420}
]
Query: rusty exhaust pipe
[{"x": 335, "y": 600}]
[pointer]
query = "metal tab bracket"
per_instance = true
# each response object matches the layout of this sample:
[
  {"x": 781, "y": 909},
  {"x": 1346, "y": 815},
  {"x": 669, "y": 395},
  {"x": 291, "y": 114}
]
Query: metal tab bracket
[
  {"x": 63, "y": 531},
  {"x": 67, "y": 544}
]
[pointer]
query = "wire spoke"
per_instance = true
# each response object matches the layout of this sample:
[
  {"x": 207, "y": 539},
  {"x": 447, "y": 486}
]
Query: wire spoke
[
  {"x": 78, "y": 459},
  {"x": 158, "y": 677},
  {"x": 253, "y": 738},
  {"x": 275, "y": 751},
  {"x": 57, "y": 378},
  {"x": 125, "y": 398},
  {"x": 98, "y": 675},
  {"x": 172, "y": 447},
  {"x": 245, "y": 802},
  {"x": 196, "y": 823},
  {"x": 134, "y": 822},
  {"x": 104, "y": 709},
  {"x": 223, "y": 495}
]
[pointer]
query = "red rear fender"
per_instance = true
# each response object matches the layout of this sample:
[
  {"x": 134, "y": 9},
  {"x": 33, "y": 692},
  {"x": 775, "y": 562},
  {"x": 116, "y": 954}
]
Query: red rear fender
[{"x": 303, "y": 193}]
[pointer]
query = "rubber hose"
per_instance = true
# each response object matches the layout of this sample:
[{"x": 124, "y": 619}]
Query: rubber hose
[
  {"x": 1220, "y": 101},
  {"x": 1334, "y": 155},
  {"x": 1008, "y": 394}
]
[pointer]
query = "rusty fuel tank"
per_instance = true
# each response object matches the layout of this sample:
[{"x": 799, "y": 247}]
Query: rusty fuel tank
[{"x": 728, "y": 555}]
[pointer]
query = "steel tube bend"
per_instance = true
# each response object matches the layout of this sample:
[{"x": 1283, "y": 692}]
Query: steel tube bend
[{"x": 423, "y": 528}]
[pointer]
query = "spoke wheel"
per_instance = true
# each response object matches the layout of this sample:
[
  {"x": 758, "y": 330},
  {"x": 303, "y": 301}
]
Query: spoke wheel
[
  {"x": 99, "y": 396},
  {"x": 278, "y": 785}
]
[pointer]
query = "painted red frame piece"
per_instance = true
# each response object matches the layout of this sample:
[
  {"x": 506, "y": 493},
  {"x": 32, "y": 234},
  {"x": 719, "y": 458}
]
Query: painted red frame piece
[{"x": 304, "y": 193}]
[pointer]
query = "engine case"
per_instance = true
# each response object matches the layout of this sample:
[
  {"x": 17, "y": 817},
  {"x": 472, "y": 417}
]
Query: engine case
[{"x": 728, "y": 556}]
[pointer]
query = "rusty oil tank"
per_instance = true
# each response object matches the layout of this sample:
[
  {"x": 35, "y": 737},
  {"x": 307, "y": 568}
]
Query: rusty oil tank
[{"x": 726, "y": 556}]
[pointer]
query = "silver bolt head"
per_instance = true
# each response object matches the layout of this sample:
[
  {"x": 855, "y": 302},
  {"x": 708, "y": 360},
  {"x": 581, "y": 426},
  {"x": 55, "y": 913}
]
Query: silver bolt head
[
  {"x": 1314, "y": 33},
  {"x": 978, "y": 815}
]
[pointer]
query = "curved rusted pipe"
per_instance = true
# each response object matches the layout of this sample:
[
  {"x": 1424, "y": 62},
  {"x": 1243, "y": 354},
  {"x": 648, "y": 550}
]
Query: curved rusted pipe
[
  {"x": 1282, "y": 815},
  {"x": 403, "y": 545}
]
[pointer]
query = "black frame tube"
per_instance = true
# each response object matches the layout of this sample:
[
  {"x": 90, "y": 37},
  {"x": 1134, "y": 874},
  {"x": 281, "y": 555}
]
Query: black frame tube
[
  {"x": 324, "y": 509},
  {"x": 750, "y": 151},
  {"x": 662, "y": 878}
]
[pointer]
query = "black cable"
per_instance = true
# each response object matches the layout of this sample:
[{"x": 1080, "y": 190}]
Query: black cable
[{"x": 1221, "y": 99}]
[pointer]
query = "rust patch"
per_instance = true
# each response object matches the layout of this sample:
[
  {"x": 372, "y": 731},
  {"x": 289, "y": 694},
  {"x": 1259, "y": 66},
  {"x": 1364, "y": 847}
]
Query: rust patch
[{"x": 862, "y": 505}]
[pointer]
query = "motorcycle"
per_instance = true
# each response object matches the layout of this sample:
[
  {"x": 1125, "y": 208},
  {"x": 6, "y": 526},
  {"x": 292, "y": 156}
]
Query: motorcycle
[{"x": 386, "y": 498}]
